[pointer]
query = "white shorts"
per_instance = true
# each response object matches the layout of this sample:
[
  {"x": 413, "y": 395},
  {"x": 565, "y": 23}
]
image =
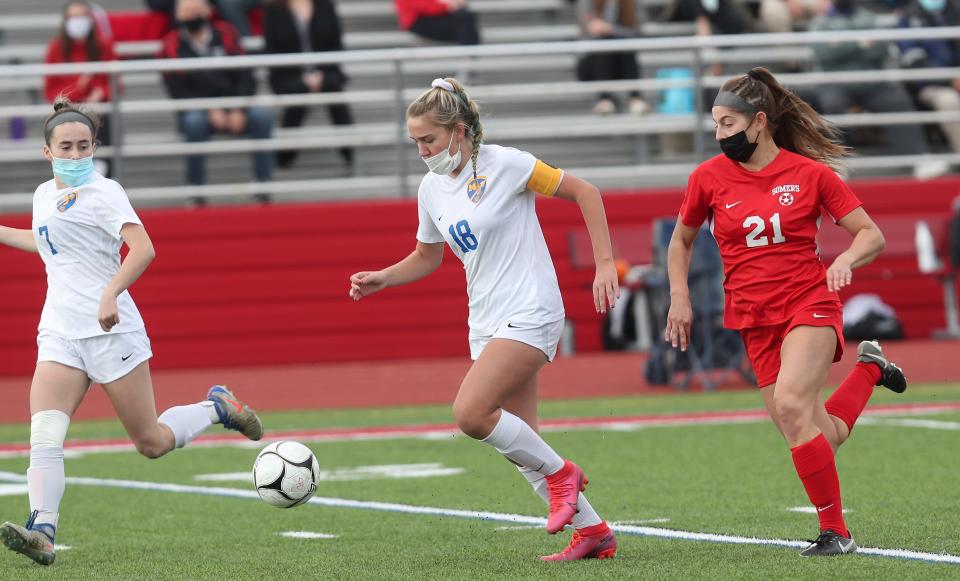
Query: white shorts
[
  {"x": 545, "y": 337},
  {"x": 104, "y": 358}
]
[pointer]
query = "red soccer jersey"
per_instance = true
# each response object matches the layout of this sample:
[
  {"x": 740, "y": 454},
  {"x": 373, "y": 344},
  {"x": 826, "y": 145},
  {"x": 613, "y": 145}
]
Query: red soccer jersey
[{"x": 766, "y": 224}]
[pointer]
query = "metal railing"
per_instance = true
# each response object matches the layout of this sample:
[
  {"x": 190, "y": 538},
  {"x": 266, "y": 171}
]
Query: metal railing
[{"x": 394, "y": 94}]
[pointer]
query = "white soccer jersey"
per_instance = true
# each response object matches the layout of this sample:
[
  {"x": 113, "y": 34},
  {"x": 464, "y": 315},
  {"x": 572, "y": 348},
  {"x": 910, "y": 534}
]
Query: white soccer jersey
[
  {"x": 78, "y": 235},
  {"x": 492, "y": 226}
]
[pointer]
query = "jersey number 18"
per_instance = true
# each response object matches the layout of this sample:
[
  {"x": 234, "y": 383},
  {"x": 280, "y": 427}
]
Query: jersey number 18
[{"x": 463, "y": 237}]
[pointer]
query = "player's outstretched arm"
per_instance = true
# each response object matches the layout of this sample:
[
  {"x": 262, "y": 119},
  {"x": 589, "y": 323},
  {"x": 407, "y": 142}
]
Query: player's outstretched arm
[
  {"x": 867, "y": 243},
  {"x": 18, "y": 238},
  {"x": 680, "y": 315},
  {"x": 140, "y": 255},
  {"x": 606, "y": 289},
  {"x": 425, "y": 259}
]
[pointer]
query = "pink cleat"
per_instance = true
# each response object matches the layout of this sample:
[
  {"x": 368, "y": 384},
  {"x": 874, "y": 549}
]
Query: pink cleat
[
  {"x": 596, "y": 542},
  {"x": 564, "y": 487}
]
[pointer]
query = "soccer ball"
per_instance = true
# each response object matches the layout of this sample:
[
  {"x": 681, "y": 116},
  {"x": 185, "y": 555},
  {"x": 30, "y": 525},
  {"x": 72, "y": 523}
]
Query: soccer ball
[{"x": 285, "y": 474}]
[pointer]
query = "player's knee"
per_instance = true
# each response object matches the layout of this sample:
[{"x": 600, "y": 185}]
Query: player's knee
[
  {"x": 48, "y": 429},
  {"x": 790, "y": 408},
  {"x": 470, "y": 421},
  {"x": 151, "y": 447}
]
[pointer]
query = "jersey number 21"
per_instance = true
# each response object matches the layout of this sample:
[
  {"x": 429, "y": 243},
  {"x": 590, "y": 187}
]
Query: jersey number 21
[{"x": 756, "y": 237}]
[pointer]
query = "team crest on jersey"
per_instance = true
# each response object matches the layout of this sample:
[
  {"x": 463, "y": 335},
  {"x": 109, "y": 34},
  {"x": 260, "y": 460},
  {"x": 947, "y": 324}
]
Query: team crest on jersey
[
  {"x": 786, "y": 193},
  {"x": 476, "y": 188},
  {"x": 68, "y": 200}
]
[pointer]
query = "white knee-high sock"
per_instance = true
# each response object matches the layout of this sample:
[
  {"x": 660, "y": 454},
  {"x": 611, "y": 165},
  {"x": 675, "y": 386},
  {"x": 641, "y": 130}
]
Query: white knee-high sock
[
  {"x": 586, "y": 516},
  {"x": 45, "y": 476},
  {"x": 187, "y": 421},
  {"x": 513, "y": 438}
]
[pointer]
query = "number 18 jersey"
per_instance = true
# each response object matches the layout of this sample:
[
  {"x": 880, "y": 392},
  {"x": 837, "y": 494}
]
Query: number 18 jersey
[
  {"x": 491, "y": 225},
  {"x": 766, "y": 224}
]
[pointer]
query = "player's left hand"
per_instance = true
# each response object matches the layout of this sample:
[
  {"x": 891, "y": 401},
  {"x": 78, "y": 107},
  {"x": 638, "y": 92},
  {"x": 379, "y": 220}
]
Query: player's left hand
[
  {"x": 839, "y": 274},
  {"x": 108, "y": 316},
  {"x": 606, "y": 289}
]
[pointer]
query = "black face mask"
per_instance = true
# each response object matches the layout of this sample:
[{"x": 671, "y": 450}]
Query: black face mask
[
  {"x": 738, "y": 147},
  {"x": 193, "y": 25}
]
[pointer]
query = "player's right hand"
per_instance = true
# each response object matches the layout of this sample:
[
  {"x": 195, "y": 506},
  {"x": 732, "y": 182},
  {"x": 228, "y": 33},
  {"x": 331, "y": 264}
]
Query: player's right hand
[
  {"x": 679, "y": 319},
  {"x": 366, "y": 283}
]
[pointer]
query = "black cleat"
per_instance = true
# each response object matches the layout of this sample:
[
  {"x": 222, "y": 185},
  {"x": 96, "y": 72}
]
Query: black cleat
[
  {"x": 891, "y": 376},
  {"x": 829, "y": 544}
]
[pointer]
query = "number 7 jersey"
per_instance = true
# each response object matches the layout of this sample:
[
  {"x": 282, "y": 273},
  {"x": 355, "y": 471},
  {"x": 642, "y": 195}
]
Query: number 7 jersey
[{"x": 766, "y": 225}]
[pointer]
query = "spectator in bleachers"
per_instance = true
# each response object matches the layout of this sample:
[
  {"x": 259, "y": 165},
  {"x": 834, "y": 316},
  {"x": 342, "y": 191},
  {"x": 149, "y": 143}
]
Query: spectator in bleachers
[
  {"x": 936, "y": 95},
  {"x": 602, "y": 19},
  {"x": 441, "y": 20},
  {"x": 196, "y": 36},
  {"x": 291, "y": 26},
  {"x": 81, "y": 40},
  {"x": 787, "y": 15},
  {"x": 711, "y": 17},
  {"x": 880, "y": 97},
  {"x": 236, "y": 12}
]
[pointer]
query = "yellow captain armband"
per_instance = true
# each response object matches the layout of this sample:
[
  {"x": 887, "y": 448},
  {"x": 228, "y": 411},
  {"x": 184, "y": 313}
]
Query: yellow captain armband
[{"x": 545, "y": 179}]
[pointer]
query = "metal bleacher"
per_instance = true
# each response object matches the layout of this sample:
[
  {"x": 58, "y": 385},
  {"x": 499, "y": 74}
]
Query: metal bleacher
[{"x": 529, "y": 97}]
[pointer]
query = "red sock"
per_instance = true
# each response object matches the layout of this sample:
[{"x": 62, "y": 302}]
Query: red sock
[
  {"x": 848, "y": 401},
  {"x": 818, "y": 472}
]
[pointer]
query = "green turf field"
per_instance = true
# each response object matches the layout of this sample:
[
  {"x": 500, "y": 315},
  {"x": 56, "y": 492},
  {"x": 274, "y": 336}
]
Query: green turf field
[{"x": 900, "y": 483}]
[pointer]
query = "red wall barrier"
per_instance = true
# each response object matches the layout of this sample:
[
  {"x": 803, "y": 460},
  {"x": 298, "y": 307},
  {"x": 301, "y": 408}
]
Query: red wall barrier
[{"x": 268, "y": 285}]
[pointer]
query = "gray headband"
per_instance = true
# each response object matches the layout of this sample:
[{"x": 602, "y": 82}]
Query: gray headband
[
  {"x": 70, "y": 117},
  {"x": 735, "y": 102}
]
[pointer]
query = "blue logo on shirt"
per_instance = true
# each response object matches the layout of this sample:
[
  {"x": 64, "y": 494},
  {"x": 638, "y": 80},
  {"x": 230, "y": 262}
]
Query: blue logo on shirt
[
  {"x": 476, "y": 187},
  {"x": 68, "y": 200}
]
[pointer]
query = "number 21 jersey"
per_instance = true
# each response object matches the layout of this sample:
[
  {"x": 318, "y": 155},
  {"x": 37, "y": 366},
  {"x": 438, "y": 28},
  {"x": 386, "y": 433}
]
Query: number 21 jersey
[{"x": 765, "y": 224}]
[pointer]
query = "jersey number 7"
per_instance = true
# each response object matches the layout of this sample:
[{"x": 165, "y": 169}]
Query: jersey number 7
[{"x": 46, "y": 234}]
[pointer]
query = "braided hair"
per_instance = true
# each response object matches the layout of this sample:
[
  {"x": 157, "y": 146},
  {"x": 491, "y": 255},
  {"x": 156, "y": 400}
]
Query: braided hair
[{"x": 448, "y": 108}]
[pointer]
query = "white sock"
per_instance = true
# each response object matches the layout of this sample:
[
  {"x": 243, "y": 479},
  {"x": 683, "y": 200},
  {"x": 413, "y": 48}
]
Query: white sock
[
  {"x": 211, "y": 411},
  {"x": 45, "y": 483},
  {"x": 585, "y": 517},
  {"x": 186, "y": 422},
  {"x": 513, "y": 438}
]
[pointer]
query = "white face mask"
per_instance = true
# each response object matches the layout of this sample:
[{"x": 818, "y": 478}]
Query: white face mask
[
  {"x": 78, "y": 27},
  {"x": 443, "y": 163}
]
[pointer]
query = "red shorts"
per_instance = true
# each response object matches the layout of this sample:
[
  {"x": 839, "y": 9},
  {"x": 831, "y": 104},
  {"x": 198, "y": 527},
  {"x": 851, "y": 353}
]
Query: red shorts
[{"x": 763, "y": 343}]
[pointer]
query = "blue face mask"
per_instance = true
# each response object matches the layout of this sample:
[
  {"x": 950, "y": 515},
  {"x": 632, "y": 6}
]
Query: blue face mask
[
  {"x": 933, "y": 5},
  {"x": 73, "y": 172}
]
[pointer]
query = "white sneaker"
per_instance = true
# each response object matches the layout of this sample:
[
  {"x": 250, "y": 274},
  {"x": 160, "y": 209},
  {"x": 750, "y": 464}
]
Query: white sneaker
[
  {"x": 927, "y": 170},
  {"x": 605, "y": 107}
]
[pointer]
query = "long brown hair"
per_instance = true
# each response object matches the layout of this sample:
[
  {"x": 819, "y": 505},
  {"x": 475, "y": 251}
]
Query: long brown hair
[
  {"x": 793, "y": 123},
  {"x": 92, "y": 41},
  {"x": 447, "y": 109}
]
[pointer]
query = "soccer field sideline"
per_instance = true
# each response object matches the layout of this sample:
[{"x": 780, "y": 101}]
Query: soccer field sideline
[
  {"x": 428, "y": 431},
  {"x": 345, "y": 503}
]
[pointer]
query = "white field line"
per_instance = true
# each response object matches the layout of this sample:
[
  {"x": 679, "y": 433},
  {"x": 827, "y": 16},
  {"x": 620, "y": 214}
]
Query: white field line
[
  {"x": 76, "y": 449},
  {"x": 812, "y": 509},
  {"x": 518, "y": 519},
  {"x": 910, "y": 423},
  {"x": 377, "y": 472},
  {"x": 306, "y": 535},
  {"x": 12, "y": 489}
]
